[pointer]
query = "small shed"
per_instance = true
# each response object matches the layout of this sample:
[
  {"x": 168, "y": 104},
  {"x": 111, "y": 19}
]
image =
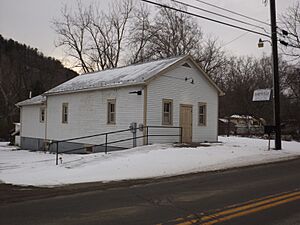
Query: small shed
[{"x": 16, "y": 135}]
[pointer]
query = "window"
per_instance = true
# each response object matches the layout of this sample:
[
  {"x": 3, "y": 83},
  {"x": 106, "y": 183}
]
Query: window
[
  {"x": 111, "y": 111},
  {"x": 65, "y": 112},
  {"x": 167, "y": 115},
  {"x": 202, "y": 114},
  {"x": 42, "y": 114}
]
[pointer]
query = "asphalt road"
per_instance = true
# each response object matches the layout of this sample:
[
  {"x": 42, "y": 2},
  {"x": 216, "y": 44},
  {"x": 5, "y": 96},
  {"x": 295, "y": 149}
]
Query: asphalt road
[{"x": 266, "y": 194}]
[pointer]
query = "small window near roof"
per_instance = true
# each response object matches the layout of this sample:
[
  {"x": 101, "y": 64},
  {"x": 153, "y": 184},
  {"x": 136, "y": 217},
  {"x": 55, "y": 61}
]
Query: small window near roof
[
  {"x": 167, "y": 115},
  {"x": 65, "y": 112},
  {"x": 42, "y": 114},
  {"x": 111, "y": 111},
  {"x": 186, "y": 65},
  {"x": 202, "y": 114}
]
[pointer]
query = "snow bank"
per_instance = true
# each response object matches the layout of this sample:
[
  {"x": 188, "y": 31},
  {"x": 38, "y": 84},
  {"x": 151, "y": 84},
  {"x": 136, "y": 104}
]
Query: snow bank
[{"x": 37, "y": 168}]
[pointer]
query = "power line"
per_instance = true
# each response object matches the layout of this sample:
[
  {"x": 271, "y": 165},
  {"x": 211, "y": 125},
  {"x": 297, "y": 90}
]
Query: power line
[
  {"x": 238, "y": 37},
  {"x": 233, "y": 12},
  {"x": 234, "y": 19},
  {"x": 283, "y": 33},
  {"x": 218, "y": 14},
  {"x": 239, "y": 14},
  {"x": 207, "y": 18}
]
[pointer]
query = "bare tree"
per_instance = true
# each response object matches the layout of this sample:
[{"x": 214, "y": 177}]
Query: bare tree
[
  {"x": 140, "y": 35},
  {"x": 211, "y": 57},
  {"x": 174, "y": 33},
  {"x": 169, "y": 33},
  {"x": 291, "y": 82},
  {"x": 291, "y": 22},
  {"x": 97, "y": 40},
  {"x": 107, "y": 34},
  {"x": 92, "y": 37},
  {"x": 72, "y": 34},
  {"x": 239, "y": 78}
]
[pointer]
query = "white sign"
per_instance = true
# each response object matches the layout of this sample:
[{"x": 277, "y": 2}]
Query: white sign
[{"x": 261, "y": 95}]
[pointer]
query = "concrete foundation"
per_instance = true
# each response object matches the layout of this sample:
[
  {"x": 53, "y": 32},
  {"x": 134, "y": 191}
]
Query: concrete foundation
[{"x": 37, "y": 144}]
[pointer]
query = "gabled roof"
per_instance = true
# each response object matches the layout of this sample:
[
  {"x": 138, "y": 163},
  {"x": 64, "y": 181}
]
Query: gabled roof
[
  {"x": 37, "y": 100},
  {"x": 125, "y": 76}
]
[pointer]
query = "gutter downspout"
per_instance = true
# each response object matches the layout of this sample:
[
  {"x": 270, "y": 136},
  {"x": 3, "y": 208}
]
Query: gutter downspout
[
  {"x": 145, "y": 114},
  {"x": 46, "y": 122}
]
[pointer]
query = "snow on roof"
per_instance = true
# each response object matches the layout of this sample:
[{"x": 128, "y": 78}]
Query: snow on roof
[
  {"x": 33, "y": 101},
  {"x": 241, "y": 117},
  {"x": 223, "y": 120},
  {"x": 128, "y": 75}
]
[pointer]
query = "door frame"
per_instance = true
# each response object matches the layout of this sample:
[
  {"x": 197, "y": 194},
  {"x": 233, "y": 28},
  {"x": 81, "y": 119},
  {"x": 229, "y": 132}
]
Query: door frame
[{"x": 180, "y": 118}]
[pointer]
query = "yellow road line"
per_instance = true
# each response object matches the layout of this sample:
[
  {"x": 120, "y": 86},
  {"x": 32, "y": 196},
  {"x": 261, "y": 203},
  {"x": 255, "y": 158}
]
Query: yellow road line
[
  {"x": 186, "y": 218},
  {"x": 229, "y": 207},
  {"x": 190, "y": 222},
  {"x": 229, "y": 211},
  {"x": 243, "y": 213},
  {"x": 241, "y": 208}
]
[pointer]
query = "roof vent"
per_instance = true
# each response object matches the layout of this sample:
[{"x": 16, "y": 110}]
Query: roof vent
[{"x": 186, "y": 65}]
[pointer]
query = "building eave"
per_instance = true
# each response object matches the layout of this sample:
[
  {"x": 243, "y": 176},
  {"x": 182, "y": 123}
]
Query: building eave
[
  {"x": 20, "y": 105},
  {"x": 94, "y": 89}
]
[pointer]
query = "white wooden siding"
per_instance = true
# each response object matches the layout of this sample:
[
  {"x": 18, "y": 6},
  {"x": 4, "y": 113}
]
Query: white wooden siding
[
  {"x": 87, "y": 111},
  {"x": 30, "y": 122},
  {"x": 168, "y": 86},
  {"x": 88, "y": 115}
]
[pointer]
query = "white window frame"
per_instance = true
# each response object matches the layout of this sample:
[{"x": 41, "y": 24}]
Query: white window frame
[
  {"x": 42, "y": 114},
  {"x": 111, "y": 115},
  {"x": 202, "y": 114},
  {"x": 169, "y": 114},
  {"x": 65, "y": 112}
]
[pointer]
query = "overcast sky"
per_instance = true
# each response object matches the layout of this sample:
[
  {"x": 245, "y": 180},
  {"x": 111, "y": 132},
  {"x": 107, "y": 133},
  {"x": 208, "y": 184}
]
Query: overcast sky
[{"x": 29, "y": 22}]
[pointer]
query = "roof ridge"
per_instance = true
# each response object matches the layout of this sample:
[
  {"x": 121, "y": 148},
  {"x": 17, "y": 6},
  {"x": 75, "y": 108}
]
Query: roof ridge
[
  {"x": 120, "y": 76},
  {"x": 34, "y": 100},
  {"x": 134, "y": 64}
]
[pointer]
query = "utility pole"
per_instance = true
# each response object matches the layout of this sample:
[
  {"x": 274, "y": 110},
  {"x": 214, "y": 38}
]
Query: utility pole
[{"x": 275, "y": 76}]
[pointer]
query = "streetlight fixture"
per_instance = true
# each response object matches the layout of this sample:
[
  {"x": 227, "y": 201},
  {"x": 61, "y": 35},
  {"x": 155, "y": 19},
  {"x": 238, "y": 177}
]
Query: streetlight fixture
[{"x": 260, "y": 43}]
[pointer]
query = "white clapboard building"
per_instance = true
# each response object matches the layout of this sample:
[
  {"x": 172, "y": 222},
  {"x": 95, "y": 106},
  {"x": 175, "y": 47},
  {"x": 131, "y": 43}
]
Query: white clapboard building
[{"x": 166, "y": 93}]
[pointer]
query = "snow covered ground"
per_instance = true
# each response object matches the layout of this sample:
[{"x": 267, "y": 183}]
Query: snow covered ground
[{"x": 37, "y": 168}]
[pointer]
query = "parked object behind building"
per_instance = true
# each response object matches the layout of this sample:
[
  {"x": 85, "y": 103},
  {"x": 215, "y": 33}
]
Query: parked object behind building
[{"x": 245, "y": 125}]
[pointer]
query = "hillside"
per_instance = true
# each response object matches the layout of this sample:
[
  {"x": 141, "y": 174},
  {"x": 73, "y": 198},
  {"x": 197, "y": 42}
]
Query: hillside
[{"x": 24, "y": 69}]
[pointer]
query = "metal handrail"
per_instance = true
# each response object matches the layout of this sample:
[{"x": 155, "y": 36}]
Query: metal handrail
[
  {"x": 93, "y": 135},
  {"x": 162, "y": 135},
  {"x": 152, "y": 126},
  {"x": 103, "y": 144},
  {"x": 106, "y": 143}
]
